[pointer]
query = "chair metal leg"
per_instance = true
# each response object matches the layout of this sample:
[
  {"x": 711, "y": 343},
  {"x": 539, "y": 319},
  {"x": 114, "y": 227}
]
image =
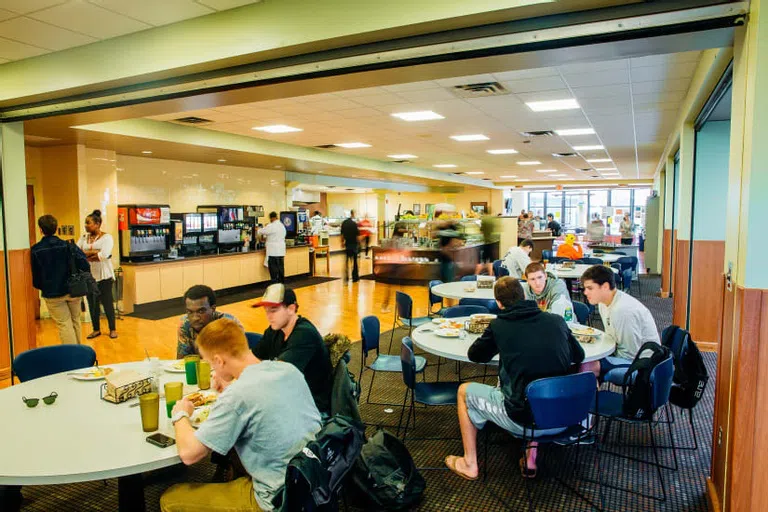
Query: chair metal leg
[
  {"x": 693, "y": 429},
  {"x": 658, "y": 464},
  {"x": 402, "y": 411}
]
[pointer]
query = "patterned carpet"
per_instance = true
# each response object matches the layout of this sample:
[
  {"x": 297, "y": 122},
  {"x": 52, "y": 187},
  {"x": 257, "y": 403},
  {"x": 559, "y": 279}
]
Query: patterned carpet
[{"x": 504, "y": 488}]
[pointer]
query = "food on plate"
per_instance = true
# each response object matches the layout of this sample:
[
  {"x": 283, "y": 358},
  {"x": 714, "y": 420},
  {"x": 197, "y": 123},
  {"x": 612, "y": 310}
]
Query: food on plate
[
  {"x": 96, "y": 373},
  {"x": 199, "y": 399},
  {"x": 177, "y": 365},
  {"x": 584, "y": 334},
  {"x": 200, "y": 416},
  {"x": 448, "y": 332},
  {"x": 447, "y": 323}
]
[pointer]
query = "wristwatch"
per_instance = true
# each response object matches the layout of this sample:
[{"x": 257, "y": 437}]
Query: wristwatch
[{"x": 177, "y": 416}]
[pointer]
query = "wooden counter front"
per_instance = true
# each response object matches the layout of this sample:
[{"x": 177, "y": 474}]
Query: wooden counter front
[{"x": 145, "y": 283}]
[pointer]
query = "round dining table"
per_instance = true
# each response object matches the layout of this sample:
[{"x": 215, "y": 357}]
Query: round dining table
[
  {"x": 605, "y": 257},
  {"x": 81, "y": 437},
  {"x": 574, "y": 272},
  {"x": 424, "y": 337},
  {"x": 462, "y": 290}
]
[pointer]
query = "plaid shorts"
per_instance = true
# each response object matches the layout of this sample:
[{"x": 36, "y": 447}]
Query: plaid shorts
[{"x": 486, "y": 403}]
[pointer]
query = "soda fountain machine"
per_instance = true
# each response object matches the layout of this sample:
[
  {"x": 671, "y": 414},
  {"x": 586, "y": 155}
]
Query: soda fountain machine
[
  {"x": 191, "y": 225},
  {"x": 145, "y": 231}
]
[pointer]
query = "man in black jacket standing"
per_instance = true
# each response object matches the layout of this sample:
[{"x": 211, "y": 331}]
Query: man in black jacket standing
[
  {"x": 350, "y": 236},
  {"x": 532, "y": 345},
  {"x": 50, "y": 272}
]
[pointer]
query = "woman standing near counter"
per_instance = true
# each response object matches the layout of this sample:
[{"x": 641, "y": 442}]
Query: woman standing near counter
[
  {"x": 97, "y": 247},
  {"x": 627, "y": 229}
]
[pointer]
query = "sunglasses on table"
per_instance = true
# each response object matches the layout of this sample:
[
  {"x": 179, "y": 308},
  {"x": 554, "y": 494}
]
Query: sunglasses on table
[{"x": 32, "y": 402}]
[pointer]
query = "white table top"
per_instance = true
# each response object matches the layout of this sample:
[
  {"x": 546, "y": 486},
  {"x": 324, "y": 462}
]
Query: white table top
[
  {"x": 80, "y": 437},
  {"x": 455, "y": 290},
  {"x": 605, "y": 257},
  {"x": 570, "y": 273},
  {"x": 456, "y": 348}
]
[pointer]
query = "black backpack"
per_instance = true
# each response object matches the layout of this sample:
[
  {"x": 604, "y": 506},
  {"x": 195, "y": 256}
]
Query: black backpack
[
  {"x": 636, "y": 388},
  {"x": 314, "y": 475},
  {"x": 386, "y": 474},
  {"x": 691, "y": 376}
]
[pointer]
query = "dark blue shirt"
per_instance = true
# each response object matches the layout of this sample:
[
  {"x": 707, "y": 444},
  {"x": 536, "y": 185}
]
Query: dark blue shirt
[{"x": 50, "y": 265}]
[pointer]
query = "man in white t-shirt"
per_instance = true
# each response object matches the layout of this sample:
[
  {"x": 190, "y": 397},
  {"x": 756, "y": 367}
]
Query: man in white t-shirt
[
  {"x": 274, "y": 233},
  {"x": 627, "y": 322},
  {"x": 518, "y": 258}
]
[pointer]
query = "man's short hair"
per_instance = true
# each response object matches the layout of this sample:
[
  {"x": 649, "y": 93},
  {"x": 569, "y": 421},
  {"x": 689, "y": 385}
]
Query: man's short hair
[
  {"x": 223, "y": 336},
  {"x": 272, "y": 215},
  {"x": 527, "y": 242},
  {"x": 536, "y": 266},
  {"x": 199, "y": 291},
  {"x": 508, "y": 291},
  {"x": 48, "y": 224},
  {"x": 600, "y": 274},
  {"x": 551, "y": 216}
]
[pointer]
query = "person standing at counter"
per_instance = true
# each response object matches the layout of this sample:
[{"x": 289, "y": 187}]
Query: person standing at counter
[
  {"x": 366, "y": 232},
  {"x": 51, "y": 258},
  {"x": 350, "y": 237},
  {"x": 316, "y": 223},
  {"x": 97, "y": 247},
  {"x": 553, "y": 226},
  {"x": 525, "y": 227},
  {"x": 596, "y": 229},
  {"x": 627, "y": 229},
  {"x": 274, "y": 234}
]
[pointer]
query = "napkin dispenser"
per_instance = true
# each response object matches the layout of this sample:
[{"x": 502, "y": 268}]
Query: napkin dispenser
[{"x": 122, "y": 386}]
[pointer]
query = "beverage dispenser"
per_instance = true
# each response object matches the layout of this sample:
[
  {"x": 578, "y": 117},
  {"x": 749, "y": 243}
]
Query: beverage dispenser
[
  {"x": 191, "y": 229},
  {"x": 145, "y": 231}
]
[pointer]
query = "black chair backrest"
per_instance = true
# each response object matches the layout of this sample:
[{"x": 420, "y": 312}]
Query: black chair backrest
[
  {"x": 582, "y": 312},
  {"x": 370, "y": 332},
  {"x": 253, "y": 339},
  {"x": 434, "y": 299},
  {"x": 408, "y": 362},
  {"x": 462, "y": 310},
  {"x": 590, "y": 261}
]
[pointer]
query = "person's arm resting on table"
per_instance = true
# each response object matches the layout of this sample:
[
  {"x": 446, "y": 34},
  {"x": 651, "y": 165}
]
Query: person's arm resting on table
[
  {"x": 190, "y": 449},
  {"x": 484, "y": 348}
]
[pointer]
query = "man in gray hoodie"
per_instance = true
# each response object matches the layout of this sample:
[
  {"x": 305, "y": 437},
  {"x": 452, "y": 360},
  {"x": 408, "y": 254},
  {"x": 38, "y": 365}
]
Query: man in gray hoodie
[{"x": 548, "y": 291}]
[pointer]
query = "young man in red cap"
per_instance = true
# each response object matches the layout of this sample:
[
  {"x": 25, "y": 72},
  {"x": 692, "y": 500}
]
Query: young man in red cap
[{"x": 293, "y": 339}]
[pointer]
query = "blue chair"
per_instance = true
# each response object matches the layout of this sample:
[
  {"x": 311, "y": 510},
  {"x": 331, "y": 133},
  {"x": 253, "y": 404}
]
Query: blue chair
[
  {"x": 370, "y": 333},
  {"x": 425, "y": 393},
  {"x": 590, "y": 261},
  {"x": 469, "y": 278},
  {"x": 626, "y": 280},
  {"x": 253, "y": 339},
  {"x": 547, "y": 254},
  {"x": 434, "y": 299},
  {"x": 462, "y": 310},
  {"x": 610, "y": 405},
  {"x": 488, "y": 304},
  {"x": 558, "y": 403},
  {"x": 404, "y": 315},
  {"x": 627, "y": 262},
  {"x": 498, "y": 270},
  {"x": 44, "y": 361},
  {"x": 581, "y": 311},
  {"x": 558, "y": 259}
]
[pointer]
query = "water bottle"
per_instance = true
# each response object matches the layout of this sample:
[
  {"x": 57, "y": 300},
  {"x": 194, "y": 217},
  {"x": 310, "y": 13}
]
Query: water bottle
[{"x": 568, "y": 316}]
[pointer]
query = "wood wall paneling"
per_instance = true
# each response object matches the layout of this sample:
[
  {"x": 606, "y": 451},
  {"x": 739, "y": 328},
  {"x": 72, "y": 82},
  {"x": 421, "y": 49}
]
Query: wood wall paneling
[
  {"x": 680, "y": 274},
  {"x": 706, "y": 289},
  {"x": 5, "y": 345},
  {"x": 666, "y": 262},
  {"x": 760, "y": 475}
]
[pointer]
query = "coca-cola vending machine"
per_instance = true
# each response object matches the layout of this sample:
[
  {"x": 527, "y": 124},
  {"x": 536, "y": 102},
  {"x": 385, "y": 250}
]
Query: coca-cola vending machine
[{"x": 145, "y": 231}]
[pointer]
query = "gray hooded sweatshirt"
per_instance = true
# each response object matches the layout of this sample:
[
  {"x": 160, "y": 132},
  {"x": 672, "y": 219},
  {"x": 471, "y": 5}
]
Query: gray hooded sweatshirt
[{"x": 553, "y": 290}]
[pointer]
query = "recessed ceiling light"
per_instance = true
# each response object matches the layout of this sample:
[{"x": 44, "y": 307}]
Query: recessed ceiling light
[
  {"x": 598, "y": 160},
  {"x": 588, "y": 148},
  {"x": 509, "y": 176},
  {"x": 474, "y": 172},
  {"x": 146, "y": 152},
  {"x": 558, "y": 175},
  {"x": 421, "y": 115},
  {"x": 404, "y": 156},
  {"x": 605, "y": 168},
  {"x": 522, "y": 179},
  {"x": 469, "y": 138},
  {"x": 445, "y": 166},
  {"x": 277, "y": 128},
  {"x": 575, "y": 131},
  {"x": 529, "y": 162},
  {"x": 546, "y": 171},
  {"x": 565, "y": 179},
  {"x": 509, "y": 151},
  {"x": 222, "y": 160},
  {"x": 609, "y": 174},
  {"x": 546, "y": 106},
  {"x": 352, "y": 145}
]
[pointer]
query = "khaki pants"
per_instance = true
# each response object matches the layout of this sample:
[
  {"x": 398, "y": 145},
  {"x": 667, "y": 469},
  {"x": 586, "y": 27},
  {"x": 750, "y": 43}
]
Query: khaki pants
[
  {"x": 65, "y": 311},
  {"x": 234, "y": 496}
]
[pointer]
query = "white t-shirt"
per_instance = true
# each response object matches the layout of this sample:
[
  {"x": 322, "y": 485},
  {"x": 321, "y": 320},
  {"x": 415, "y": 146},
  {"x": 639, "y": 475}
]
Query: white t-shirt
[
  {"x": 316, "y": 222},
  {"x": 101, "y": 269},
  {"x": 629, "y": 324},
  {"x": 515, "y": 261},
  {"x": 275, "y": 235}
]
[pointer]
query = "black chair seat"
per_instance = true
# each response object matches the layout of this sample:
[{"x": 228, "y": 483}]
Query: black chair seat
[{"x": 436, "y": 393}]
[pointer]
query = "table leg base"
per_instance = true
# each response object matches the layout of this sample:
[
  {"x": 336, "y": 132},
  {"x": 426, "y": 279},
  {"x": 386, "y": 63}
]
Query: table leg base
[
  {"x": 130, "y": 493},
  {"x": 10, "y": 498}
]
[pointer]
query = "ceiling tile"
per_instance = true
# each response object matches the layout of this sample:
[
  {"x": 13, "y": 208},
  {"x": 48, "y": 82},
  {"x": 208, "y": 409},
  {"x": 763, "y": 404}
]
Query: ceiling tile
[
  {"x": 27, "y": 6},
  {"x": 599, "y": 78},
  {"x": 33, "y": 32},
  {"x": 666, "y": 59},
  {"x": 594, "y": 67},
  {"x": 12, "y": 50},
  {"x": 582, "y": 93},
  {"x": 427, "y": 95},
  {"x": 524, "y": 74},
  {"x": 89, "y": 19},
  {"x": 5, "y": 15},
  {"x": 464, "y": 80},
  {"x": 670, "y": 71},
  {"x": 534, "y": 84},
  {"x": 412, "y": 86},
  {"x": 660, "y": 86},
  {"x": 223, "y": 5},
  {"x": 154, "y": 12},
  {"x": 376, "y": 100}
]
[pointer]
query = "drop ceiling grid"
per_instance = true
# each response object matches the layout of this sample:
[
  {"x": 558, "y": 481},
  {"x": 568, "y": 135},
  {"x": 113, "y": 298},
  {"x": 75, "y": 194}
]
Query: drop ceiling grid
[{"x": 602, "y": 89}]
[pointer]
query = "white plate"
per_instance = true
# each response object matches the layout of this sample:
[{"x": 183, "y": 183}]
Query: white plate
[
  {"x": 439, "y": 320},
  {"x": 89, "y": 375},
  {"x": 448, "y": 333},
  {"x": 171, "y": 367},
  {"x": 200, "y": 415}
]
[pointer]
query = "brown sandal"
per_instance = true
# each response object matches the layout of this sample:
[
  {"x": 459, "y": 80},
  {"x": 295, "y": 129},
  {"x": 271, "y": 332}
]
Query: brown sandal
[
  {"x": 94, "y": 334},
  {"x": 450, "y": 461}
]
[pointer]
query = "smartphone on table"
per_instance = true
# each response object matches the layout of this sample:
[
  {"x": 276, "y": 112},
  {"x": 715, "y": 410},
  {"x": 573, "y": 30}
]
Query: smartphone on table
[{"x": 160, "y": 440}]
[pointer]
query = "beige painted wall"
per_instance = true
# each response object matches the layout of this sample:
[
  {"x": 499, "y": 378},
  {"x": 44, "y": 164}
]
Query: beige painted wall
[
  {"x": 185, "y": 185},
  {"x": 98, "y": 186},
  {"x": 58, "y": 173},
  {"x": 461, "y": 201},
  {"x": 362, "y": 204}
]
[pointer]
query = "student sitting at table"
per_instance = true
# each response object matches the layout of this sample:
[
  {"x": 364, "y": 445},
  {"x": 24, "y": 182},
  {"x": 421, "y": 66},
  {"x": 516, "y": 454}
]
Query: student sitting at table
[
  {"x": 293, "y": 339},
  {"x": 531, "y": 345},
  {"x": 264, "y": 410},
  {"x": 549, "y": 291},
  {"x": 200, "y": 302},
  {"x": 517, "y": 258},
  {"x": 570, "y": 249},
  {"x": 628, "y": 323}
]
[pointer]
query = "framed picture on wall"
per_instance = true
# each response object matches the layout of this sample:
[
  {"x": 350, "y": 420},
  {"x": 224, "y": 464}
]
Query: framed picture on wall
[{"x": 417, "y": 209}]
